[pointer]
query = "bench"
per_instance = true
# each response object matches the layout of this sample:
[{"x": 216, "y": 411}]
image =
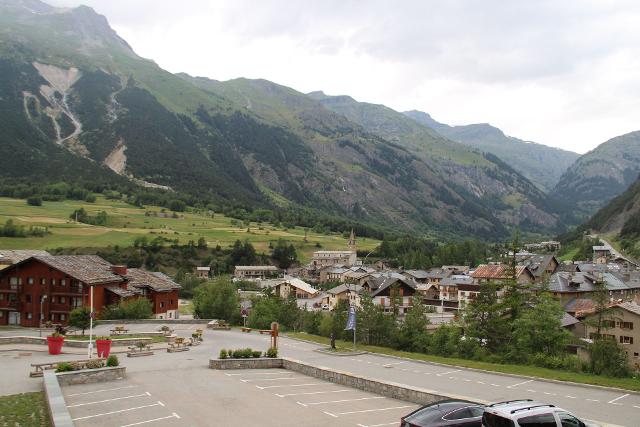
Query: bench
[
  {"x": 166, "y": 330},
  {"x": 178, "y": 344},
  {"x": 265, "y": 331},
  {"x": 218, "y": 325},
  {"x": 39, "y": 368},
  {"x": 119, "y": 330},
  {"x": 245, "y": 330}
]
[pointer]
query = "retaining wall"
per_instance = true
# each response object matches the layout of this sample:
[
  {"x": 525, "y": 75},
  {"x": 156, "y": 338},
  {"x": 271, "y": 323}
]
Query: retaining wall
[
  {"x": 70, "y": 342},
  {"x": 88, "y": 376},
  {"x": 58, "y": 412}
]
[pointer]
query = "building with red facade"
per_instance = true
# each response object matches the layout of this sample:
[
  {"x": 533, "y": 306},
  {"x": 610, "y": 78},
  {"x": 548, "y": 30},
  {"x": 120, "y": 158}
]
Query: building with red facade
[{"x": 47, "y": 288}]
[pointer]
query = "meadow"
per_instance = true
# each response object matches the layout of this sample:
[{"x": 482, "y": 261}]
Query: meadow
[{"x": 126, "y": 223}]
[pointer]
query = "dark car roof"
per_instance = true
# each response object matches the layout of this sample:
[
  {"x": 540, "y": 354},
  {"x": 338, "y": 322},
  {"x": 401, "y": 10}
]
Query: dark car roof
[{"x": 435, "y": 411}]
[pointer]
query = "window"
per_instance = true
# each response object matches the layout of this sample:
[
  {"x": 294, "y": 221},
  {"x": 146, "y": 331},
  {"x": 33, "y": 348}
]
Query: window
[
  {"x": 43, "y": 281},
  {"x": 636, "y": 355},
  {"x": 542, "y": 420},
  {"x": 626, "y": 340},
  {"x": 492, "y": 420},
  {"x": 161, "y": 304},
  {"x": 462, "y": 413},
  {"x": 53, "y": 300},
  {"x": 53, "y": 282},
  {"x": 568, "y": 420},
  {"x": 29, "y": 316},
  {"x": 63, "y": 317},
  {"x": 27, "y": 298},
  {"x": 626, "y": 325},
  {"x": 30, "y": 280},
  {"x": 61, "y": 300},
  {"x": 608, "y": 324},
  {"x": 63, "y": 282},
  {"x": 1, "y": 297},
  {"x": 1, "y": 314}
]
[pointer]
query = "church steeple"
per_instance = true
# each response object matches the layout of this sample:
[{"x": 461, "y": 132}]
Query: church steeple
[{"x": 352, "y": 242}]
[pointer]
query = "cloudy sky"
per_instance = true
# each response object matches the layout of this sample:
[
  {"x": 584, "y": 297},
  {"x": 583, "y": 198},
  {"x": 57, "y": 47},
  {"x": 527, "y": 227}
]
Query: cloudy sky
[{"x": 562, "y": 73}]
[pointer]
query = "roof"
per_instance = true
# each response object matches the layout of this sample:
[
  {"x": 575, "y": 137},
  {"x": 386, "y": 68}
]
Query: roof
[
  {"x": 16, "y": 256},
  {"x": 497, "y": 271},
  {"x": 158, "y": 282},
  {"x": 538, "y": 263},
  {"x": 418, "y": 274},
  {"x": 630, "y": 306},
  {"x": 122, "y": 293},
  {"x": 89, "y": 269},
  {"x": 389, "y": 281},
  {"x": 296, "y": 283},
  {"x": 568, "y": 320},
  {"x": 602, "y": 248},
  {"x": 334, "y": 252},
  {"x": 580, "y": 306},
  {"x": 257, "y": 267},
  {"x": 584, "y": 282},
  {"x": 457, "y": 279},
  {"x": 343, "y": 288},
  {"x": 203, "y": 268}
]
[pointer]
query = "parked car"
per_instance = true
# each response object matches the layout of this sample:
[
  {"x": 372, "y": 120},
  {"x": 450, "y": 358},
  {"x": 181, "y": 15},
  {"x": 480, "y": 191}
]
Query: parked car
[
  {"x": 529, "y": 413},
  {"x": 447, "y": 413},
  {"x": 325, "y": 306}
]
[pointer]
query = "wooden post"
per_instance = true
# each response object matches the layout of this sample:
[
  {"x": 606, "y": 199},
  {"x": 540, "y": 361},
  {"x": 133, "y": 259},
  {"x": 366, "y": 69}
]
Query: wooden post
[{"x": 274, "y": 334}]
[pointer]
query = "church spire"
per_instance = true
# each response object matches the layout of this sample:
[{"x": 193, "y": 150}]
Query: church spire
[{"x": 352, "y": 242}]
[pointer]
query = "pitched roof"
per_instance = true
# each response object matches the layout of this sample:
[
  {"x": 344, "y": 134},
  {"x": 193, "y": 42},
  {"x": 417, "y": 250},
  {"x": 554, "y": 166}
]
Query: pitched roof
[
  {"x": 298, "y": 283},
  {"x": 497, "y": 271},
  {"x": 90, "y": 269},
  {"x": 159, "y": 282},
  {"x": 257, "y": 267},
  {"x": 12, "y": 256},
  {"x": 630, "y": 306},
  {"x": 584, "y": 282},
  {"x": 580, "y": 306},
  {"x": 457, "y": 279},
  {"x": 122, "y": 293},
  {"x": 389, "y": 281},
  {"x": 538, "y": 263},
  {"x": 343, "y": 288},
  {"x": 568, "y": 320}
]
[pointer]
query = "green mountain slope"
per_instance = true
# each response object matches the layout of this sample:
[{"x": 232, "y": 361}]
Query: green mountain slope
[
  {"x": 542, "y": 165},
  {"x": 80, "y": 102},
  {"x": 601, "y": 174}
]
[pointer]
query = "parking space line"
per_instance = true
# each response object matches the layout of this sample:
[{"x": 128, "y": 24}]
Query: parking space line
[
  {"x": 287, "y": 385},
  {"x": 394, "y": 423},
  {"x": 311, "y": 392},
  {"x": 522, "y": 383},
  {"x": 117, "y": 412},
  {"x": 255, "y": 373},
  {"x": 448, "y": 372},
  {"x": 101, "y": 391},
  {"x": 389, "y": 365},
  {"x": 109, "y": 400},
  {"x": 174, "y": 415},
  {"x": 269, "y": 379},
  {"x": 618, "y": 398},
  {"x": 372, "y": 410},
  {"x": 339, "y": 401}
]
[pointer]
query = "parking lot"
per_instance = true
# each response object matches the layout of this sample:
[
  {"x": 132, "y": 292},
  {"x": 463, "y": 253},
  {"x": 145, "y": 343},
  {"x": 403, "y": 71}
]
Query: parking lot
[{"x": 198, "y": 397}]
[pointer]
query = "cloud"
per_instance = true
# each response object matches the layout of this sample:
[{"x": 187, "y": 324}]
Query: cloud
[{"x": 562, "y": 73}]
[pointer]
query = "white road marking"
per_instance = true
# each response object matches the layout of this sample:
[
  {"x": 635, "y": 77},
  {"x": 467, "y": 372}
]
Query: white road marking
[
  {"x": 330, "y": 414},
  {"x": 549, "y": 394},
  {"x": 311, "y": 392},
  {"x": 174, "y": 415},
  {"x": 101, "y": 391},
  {"x": 618, "y": 398},
  {"x": 593, "y": 400},
  {"x": 339, "y": 401},
  {"x": 270, "y": 379},
  {"x": 117, "y": 412},
  {"x": 110, "y": 400},
  {"x": 287, "y": 385},
  {"x": 480, "y": 382},
  {"x": 256, "y": 373},
  {"x": 395, "y": 423},
  {"x": 496, "y": 385},
  {"x": 372, "y": 410},
  {"x": 570, "y": 397},
  {"x": 635, "y": 406},
  {"x": 389, "y": 365},
  {"x": 529, "y": 390},
  {"x": 448, "y": 372},
  {"x": 467, "y": 380},
  {"x": 516, "y": 385}
]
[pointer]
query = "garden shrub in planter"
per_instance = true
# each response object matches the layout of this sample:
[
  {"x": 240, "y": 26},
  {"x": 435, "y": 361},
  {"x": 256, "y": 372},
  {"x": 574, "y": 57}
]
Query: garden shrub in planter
[
  {"x": 64, "y": 367},
  {"x": 256, "y": 354},
  {"x": 223, "y": 354},
  {"x": 272, "y": 352},
  {"x": 94, "y": 364},
  {"x": 112, "y": 361}
]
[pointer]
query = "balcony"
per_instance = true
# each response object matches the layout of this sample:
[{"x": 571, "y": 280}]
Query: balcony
[
  {"x": 66, "y": 290},
  {"x": 12, "y": 305},
  {"x": 5, "y": 287}
]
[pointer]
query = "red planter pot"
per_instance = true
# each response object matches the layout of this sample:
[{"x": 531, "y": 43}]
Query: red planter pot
[
  {"x": 55, "y": 344},
  {"x": 104, "y": 348}
]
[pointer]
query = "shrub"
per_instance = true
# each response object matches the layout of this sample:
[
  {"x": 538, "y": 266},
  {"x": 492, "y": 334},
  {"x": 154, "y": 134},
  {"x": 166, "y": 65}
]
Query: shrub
[
  {"x": 272, "y": 352},
  {"x": 94, "y": 364},
  {"x": 223, "y": 354},
  {"x": 75, "y": 366},
  {"x": 34, "y": 201},
  {"x": 112, "y": 360},
  {"x": 64, "y": 367},
  {"x": 256, "y": 354}
]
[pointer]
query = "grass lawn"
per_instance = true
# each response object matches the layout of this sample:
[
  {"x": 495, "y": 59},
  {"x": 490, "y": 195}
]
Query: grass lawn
[
  {"x": 154, "y": 338},
  {"x": 24, "y": 410},
  {"x": 531, "y": 371},
  {"x": 126, "y": 223},
  {"x": 186, "y": 308}
]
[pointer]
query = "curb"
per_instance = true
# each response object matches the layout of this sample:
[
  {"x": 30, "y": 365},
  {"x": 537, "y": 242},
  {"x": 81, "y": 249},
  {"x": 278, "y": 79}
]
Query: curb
[{"x": 528, "y": 377}]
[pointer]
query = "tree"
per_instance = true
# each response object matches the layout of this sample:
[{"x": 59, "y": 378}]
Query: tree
[
  {"x": 217, "y": 299},
  {"x": 242, "y": 254},
  {"x": 138, "y": 308},
  {"x": 608, "y": 358},
  {"x": 374, "y": 327},
  {"x": 412, "y": 335},
  {"x": 80, "y": 318},
  {"x": 284, "y": 254},
  {"x": 34, "y": 201},
  {"x": 484, "y": 319}
]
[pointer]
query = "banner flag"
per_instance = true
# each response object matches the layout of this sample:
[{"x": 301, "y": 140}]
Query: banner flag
[{"x": 351, "y": 320}]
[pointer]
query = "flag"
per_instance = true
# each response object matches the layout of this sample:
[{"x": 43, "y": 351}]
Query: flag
[{"x": 351, "y": 320}]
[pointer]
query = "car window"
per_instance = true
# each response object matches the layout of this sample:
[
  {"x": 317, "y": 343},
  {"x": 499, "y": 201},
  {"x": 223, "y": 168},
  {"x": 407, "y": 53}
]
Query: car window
[
  {"x": 493, "y": 420},
  {"x": 568, "y": 420},
  {"x": 458, "y": 414},
  {"x": 541, "y": 420},
  {"x": 476, "y": 411}
]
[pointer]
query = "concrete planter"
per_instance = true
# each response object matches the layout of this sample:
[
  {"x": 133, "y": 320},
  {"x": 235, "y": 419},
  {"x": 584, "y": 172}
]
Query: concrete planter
[
  {"x": 257, "y": 363},
  {"x": 88, "y": 376}
]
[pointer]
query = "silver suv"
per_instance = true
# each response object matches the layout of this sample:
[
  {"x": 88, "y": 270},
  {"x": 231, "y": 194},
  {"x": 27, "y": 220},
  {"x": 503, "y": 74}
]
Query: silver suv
[{"x": 529, "y": 413}]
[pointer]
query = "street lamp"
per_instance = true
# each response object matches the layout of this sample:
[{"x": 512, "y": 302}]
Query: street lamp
[
  {"x": 91, "y": 314},
  {"x": 42, "y": 298}
]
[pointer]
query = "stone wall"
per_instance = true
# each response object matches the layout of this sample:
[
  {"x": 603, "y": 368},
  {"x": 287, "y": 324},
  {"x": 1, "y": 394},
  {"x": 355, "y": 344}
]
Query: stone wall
[
  {"x": 257, "y": 363},
  {"x": 58, "y": 412},
  {"x": 87, "y": 376}
]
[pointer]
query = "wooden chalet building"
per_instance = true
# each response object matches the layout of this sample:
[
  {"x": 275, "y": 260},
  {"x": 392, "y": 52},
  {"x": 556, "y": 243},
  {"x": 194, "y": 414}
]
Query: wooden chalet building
[{"x": 47, "y": 288}]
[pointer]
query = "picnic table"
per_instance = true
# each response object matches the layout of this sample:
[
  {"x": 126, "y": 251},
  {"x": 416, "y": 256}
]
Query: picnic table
[
  {"x": 119, "y": 330},
  {"x": 178, "y": 344},
  {"x": 214, "y": 324},
  {"x": 39, "y": 368},
  {"x": 265, "y": 331},
  {"x": 166, "y": 330},
  {"x": 243, "y": 329}
]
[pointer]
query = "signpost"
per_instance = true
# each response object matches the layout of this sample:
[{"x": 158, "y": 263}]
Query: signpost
[
  {"x": 351, "y": 324},
  {"x": 244, "y": 313},
  {"x": 91, "y": 317}
]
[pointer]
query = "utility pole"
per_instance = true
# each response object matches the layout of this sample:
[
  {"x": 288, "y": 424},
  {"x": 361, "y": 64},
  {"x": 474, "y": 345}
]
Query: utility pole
[{"x": 91, "y": 315}]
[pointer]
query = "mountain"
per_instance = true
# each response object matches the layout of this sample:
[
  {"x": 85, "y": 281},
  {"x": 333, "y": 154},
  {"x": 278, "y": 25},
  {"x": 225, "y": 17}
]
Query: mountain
[
  {"x": 542, "y": 165},
  {"x": 77, "y": 103},
  {"x": 601, "y": 174}
]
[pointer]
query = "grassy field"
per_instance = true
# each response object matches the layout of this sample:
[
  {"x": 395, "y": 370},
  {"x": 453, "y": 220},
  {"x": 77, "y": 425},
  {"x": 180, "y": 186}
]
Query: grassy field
[
  {"x": 530, "y": 371},
  {"x": 126, "y": 223},
  {"x": 27, "y": 410}
]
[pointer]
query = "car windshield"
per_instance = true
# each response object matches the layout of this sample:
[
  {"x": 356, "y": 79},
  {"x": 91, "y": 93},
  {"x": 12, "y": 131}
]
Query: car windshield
[{"x": 493, "y": 420}]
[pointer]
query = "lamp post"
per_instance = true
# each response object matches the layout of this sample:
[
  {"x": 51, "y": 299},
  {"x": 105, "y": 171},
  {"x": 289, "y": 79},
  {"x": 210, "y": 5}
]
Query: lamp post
[
  {"x": 42, "y": 298},
  {"x": 91, "y": 314}
]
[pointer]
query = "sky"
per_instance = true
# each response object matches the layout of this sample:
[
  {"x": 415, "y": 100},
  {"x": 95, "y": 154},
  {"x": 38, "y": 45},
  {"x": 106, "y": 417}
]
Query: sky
[{"x": 561, "y": 73}]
